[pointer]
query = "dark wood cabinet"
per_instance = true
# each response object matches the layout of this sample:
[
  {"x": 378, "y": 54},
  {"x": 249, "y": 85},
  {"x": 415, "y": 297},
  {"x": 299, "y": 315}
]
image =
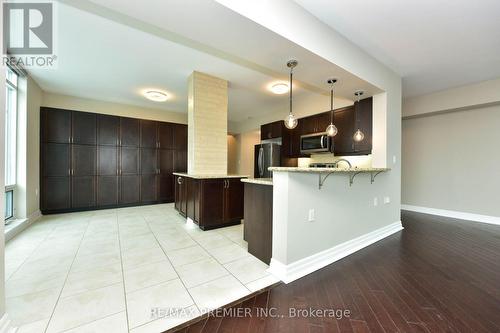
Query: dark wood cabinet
[
  {"x": 258, "y": 214},
  {"x": 272, "y": 130},
  {"x": 315, "y": 124},
  {"x": 84, "y": 128},
  {"x": 149, "y": 131},
  {"x": 108, "y": 130},
  {"x": 55, "y": 125},
  {"x": 364, "y": 121},
  {"x": 211, "y": 203},
  {"x": 129, "y": 132},
  {"x": 344, "y": 120},
  {"x": 91, "y": 161}
]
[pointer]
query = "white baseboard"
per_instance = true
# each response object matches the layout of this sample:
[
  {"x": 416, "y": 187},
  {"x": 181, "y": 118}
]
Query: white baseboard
[
  {"x": 6, "y": 325},
  {"x": 302, "y": 267},
  {"x": 19, "y": 227},
  {"x": 453, "y": 214}
]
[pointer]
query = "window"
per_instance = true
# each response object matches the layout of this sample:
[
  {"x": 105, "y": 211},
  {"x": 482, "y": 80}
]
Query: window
[{"x": 10, "y": 140}]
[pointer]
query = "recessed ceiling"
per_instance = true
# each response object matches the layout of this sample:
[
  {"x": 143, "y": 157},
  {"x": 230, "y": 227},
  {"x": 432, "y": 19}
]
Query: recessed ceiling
[
  {"x": 433, "y": 45},
  {"x": 114, "y": 53}
]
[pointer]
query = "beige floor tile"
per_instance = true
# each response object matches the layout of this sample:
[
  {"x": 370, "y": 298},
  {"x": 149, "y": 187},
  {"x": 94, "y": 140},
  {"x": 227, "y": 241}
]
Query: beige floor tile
[
  {"x": 228, "y": 253},
  {"x": 167, "y": 322},
  {"x": 32, "y": 284},
  {"x": 148, "y": 275},
  {"x": 187, "y": 256},
  {"x": 247, "y": 269},
  {"x": 116, "y": 323},
  {"x": 32, "y": 307},
  {"x": 140, "y": 257},
  {"x": 262, "y": 283},
  {"x": 84, "y": 308},
  {"x": 92, "y": 261},
  {"x": 200, "y": 272},
  {"x": 213, "y": 241},
  {"x": 95, "y": 278},
  {"x": 217, "y": 293},
  {"x": 35, "y": 327},
  {"x": 143, "y": 303}
]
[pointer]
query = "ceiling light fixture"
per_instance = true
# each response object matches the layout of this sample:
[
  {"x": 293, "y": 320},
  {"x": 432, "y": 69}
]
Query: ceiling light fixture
[
  {"x": 156, "y": 96},
  {"x": 280, "y": 88},
  {"x": 331, "y": 130},
  {"x": 358, "y": 135},
  {"x": 290, "y": 121}
]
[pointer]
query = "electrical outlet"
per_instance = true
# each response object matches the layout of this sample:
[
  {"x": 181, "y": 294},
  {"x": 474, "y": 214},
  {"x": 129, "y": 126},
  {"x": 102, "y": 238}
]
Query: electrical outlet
[
  {"x": 311, "y": 215},
  {"x": 394, "y": 159},
  {"x": 387, "y": 200},
  {"x": 36, "y": 192},
  {"x": 375, "y": 201}
]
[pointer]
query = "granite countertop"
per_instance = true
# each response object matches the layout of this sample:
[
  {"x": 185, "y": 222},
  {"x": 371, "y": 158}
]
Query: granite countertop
[
  {"x": 259, "y": 181},
  {"x": 208, "y": 176},
  {"x": 327, "y": 170}
]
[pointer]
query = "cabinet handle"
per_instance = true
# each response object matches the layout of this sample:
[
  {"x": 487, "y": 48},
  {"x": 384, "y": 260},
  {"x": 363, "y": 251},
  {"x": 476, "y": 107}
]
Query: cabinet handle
[
  {"x": 227, "y": 182},
  {"x": 179, "y": 180},
  {"x": 72, "y": 172}
]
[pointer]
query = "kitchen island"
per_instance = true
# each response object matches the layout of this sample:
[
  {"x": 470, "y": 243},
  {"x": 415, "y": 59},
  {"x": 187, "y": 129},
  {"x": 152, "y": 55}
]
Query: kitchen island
[
  {"x": 321, "y": 215},
  {"x": 211, "y": 201},
  {"x": 258, "y": 216}
]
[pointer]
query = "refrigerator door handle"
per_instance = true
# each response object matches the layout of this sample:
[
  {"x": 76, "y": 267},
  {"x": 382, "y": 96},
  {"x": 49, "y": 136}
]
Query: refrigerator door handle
[{"x": 261, "y": 161}]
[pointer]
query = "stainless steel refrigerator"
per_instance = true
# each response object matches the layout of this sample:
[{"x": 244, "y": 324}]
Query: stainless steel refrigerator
[{"x": 266, "y": 155}]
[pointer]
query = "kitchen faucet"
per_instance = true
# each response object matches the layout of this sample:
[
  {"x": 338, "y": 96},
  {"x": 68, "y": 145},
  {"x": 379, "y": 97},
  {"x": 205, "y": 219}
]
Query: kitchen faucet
[{"x": 336, "y": 163}]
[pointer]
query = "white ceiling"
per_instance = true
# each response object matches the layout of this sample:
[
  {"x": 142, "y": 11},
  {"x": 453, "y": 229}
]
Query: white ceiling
[
  {"x": 110, "y": 50},
  {"x": 433, "y": 45}
]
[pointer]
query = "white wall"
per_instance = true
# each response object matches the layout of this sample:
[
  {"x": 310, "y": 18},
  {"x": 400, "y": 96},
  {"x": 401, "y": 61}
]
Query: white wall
[
  {"x": 2, "y": 177},
  {"x": 451, "y": 161}
]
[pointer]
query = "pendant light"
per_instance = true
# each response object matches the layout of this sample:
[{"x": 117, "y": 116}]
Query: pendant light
[
  {"x": 358, "y": 135},
  {"x": 290, "y": 121},
  {"x": 331, "y": 130}
]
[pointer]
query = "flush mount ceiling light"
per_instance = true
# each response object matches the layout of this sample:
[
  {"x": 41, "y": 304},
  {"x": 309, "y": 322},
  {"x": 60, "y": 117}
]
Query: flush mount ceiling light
[
  {"x": 331, "y": 130},
  {"x": 290, "y": 121},
  {"x": 280, "y": 88},
  {"x": 358, "y": 135},
  {"x": 155, "y": 95}
]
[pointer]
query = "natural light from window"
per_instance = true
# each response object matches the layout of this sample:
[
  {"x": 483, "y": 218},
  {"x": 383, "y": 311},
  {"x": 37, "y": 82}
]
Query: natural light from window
[{"x": 10, "y": 140}]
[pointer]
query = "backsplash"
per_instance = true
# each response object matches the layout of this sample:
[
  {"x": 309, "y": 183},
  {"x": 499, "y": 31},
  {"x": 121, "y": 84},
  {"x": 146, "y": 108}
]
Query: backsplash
[{"x": 363, "y": 161}]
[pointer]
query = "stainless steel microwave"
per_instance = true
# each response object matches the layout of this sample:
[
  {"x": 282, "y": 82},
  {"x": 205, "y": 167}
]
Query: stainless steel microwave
[{"x": 315, "y": 143}]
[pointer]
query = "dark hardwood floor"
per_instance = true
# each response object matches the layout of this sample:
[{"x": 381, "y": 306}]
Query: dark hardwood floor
[{"x": 437, "y": 275}]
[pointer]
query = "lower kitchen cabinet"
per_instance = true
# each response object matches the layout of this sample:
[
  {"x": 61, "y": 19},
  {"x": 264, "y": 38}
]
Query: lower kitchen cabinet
[{"x": 210, "y": 203}]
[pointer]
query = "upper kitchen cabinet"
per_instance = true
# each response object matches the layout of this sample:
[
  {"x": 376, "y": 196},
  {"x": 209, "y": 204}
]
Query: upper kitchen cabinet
[
  {"x": 165, "y": 136},
  {"x": 149, "y": 131},
  {"x": 55, "y": 125},
  {"x": 180, "y": 136},
  {"x": 272, "y": 130},
  {"x": 108, "y": 130},
  {"x": 315, "y": 124},
  {"x": 348, "y": 120},
  {"x": 129, "y": 132},
  {"x": 84, "y": 128}
]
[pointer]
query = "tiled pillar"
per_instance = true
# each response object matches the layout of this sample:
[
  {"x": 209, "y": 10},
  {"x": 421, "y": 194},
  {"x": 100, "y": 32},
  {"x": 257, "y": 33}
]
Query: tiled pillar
[{"x": 207, "y": 125}]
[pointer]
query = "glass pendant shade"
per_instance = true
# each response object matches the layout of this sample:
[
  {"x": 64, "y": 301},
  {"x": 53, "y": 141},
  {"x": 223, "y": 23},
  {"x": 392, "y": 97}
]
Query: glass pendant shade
[
  {"x": 331, "y": 130},
  {"x": 358, "y": 136},
  {"x": 290, "y": 121}
]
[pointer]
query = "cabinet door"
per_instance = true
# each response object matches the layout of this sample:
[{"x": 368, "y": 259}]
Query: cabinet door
[
  {"x": 165, "y": 188},
  {"x": 108, "y": 130},
  {"x": 56, "y": 125},
  {"x": 107, "y": 161},
  {"x": 83, "y": 193},
  {"x": 107, "y": 191},
  {"x": 308, "y": 125},
  {"x": 84, "y": 128},
  {"x": 148, "y": 188},
  {"x": 322, "y": 121},
  {"x": 149, "y": 133},
  {"x": 56, "y": 193},
  {"x": 56, "y": 159},
  {"x": 180, "y": 137},
  {"x": 165, "y": 136},
  {"x": 212, "y": 203},
  {"x": 148, "y": 161},
  {"x": 364, "y": 121},
  {"x": 180, "y": 195},
  {"x": 344, "y": 120},
  {"x": 295, "y": 140},
  {"x": 180, "y": 161},
  {"x": 177, "y": 194},
  {"x": 130, "y": 189},
  {"x": 192, "y": 198},
  {"x": 83, "y": 160},
  {"x": 276, "y": 129},
  {"x": 129, "y": 132},
  {"x": 233, "y": 200},
  {"x": 129, "y": 161},
  {"x": 266, "y": 131}
]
